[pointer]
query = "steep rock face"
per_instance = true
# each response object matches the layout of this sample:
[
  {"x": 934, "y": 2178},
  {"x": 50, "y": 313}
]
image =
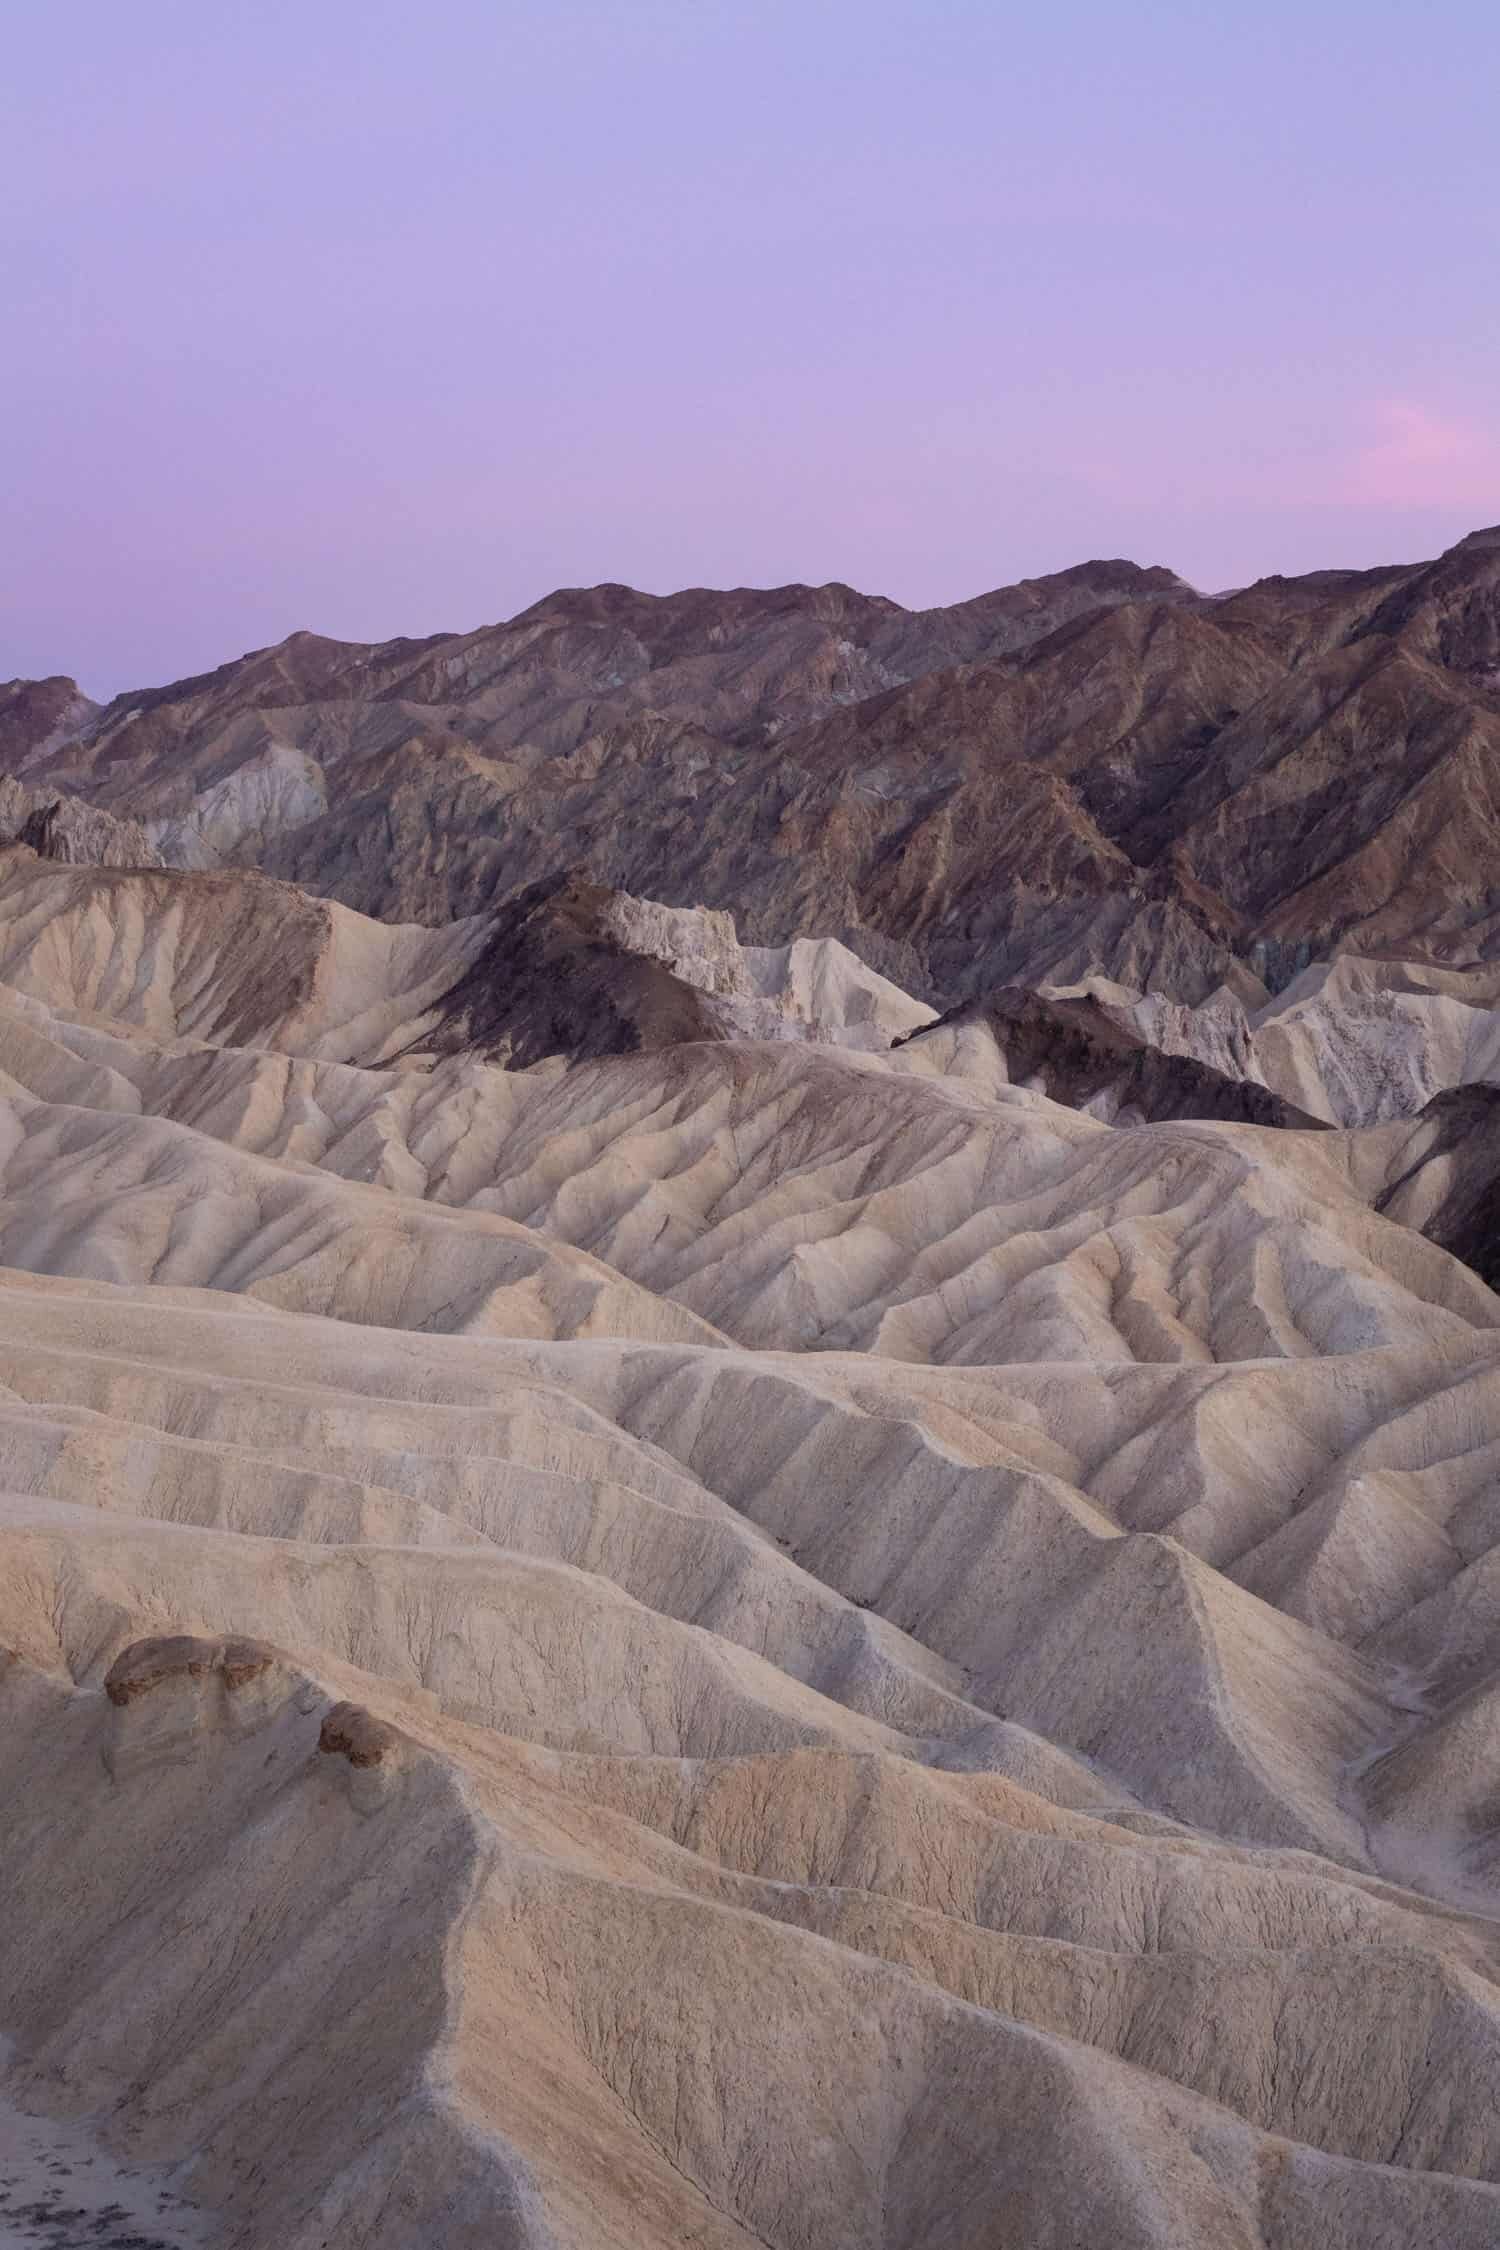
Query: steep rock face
[
  {"x": 1074, "y": 1049},
  {"x": 572, "y": 969},
  {"x": 83, "y": 835},
  {"x": 235, "y": 820},
  {"x": 1443, "y": 1175},
  {"x": 67, "y": 829},
  {"x": 1449, "y": 613},
  {"x": 1356, "y": 1041}
]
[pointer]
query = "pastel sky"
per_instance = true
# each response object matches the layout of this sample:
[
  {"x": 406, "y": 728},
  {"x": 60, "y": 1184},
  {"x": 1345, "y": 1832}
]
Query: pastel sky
[{"x": 382, "y": 318}]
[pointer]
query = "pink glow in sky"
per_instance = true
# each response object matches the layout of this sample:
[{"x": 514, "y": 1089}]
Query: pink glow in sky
[
  {"x": 376, "y": 318},
  {"x": 1413, "y": 457}
]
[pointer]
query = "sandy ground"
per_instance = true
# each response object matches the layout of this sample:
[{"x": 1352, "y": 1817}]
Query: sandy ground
[{"x": 60, "y": 2190}]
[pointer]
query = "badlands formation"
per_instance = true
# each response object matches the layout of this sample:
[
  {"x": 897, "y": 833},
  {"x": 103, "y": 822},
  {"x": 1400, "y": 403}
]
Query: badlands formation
[{"x": 819, "y": 1571}]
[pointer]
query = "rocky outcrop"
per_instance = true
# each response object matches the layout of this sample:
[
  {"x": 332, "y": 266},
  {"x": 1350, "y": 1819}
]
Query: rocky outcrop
[
  {"x": 1355, "y": 1041},
  {"x": 82, "y": 835},
  {"x": 1075, "y": 1049},
  {"x": 571, "y": 968},
  {"x": 1442, "y": 1175},
  {"x": 70, "y": 831},
  {"x": 349, "y": 1731},
  {"x": 147, "y": 1665}
]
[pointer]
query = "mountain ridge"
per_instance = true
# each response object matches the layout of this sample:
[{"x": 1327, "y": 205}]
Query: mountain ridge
[{"x": 1101, "y": 771}]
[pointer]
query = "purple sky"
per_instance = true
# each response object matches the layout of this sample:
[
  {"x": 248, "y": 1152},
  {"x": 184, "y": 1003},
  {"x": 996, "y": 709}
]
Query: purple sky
[{"x": 384, "y": 318}]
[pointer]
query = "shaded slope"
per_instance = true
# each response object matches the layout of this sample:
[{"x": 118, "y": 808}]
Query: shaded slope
[{"x": 1075, "y": 1050}]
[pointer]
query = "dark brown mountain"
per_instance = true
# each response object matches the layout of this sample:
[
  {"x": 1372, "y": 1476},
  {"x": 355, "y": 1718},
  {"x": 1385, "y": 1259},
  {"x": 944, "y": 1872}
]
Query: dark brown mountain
[
  {"x": 1455, "y": 1141},
  {"x": 1095, "y": 771},
  {"x": 568, "y": 968},
  {"x": 36, "y": 716},
  {"x": 1074, "y": 1050}
]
